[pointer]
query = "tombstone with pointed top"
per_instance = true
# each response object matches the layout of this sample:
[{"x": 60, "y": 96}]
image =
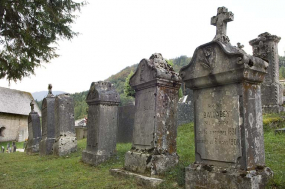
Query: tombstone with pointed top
[
  {"x": 155, "y": 129},
  {"x": 48, "y": 124},
  {"x": 65, "y": 138},
  {"x": 266, "y": 48},
  {"x": 34, "y": 128},
  {"x": 103, "y": 101},
  {"x": 229, "y": 145}
]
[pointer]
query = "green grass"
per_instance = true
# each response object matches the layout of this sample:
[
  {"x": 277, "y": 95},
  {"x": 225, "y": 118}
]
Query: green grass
[{"x": 18, "y": 170}]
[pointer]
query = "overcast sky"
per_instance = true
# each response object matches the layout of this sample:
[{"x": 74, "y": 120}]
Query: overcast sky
[{"x": 119, "y": 33}]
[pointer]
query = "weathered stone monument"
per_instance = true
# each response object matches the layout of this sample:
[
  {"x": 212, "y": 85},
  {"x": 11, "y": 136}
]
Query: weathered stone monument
[
  {"x": 229, "y": 146},
  {"x": 103, "y": 101},
  {"x": 155, "y": 130},
  {"x": 34, "y": 127},
  {"x": 266, "y": 48},
  {"x": 65, "y": 141},
  {"x": 48, "y": 124}
]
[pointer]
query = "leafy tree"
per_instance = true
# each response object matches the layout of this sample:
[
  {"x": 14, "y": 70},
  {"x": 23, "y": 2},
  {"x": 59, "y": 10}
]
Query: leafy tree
[
  {"x": 128, "y": 90},
  {"x": 28, "y": 32}
]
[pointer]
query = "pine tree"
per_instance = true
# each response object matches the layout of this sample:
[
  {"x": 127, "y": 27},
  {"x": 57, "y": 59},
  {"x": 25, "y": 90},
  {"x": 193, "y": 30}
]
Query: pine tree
[{"x": 28, "y": 32}]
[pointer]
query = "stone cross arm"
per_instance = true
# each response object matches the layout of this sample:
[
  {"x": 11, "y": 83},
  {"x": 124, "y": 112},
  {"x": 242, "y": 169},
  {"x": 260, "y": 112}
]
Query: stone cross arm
[{"x": 220, "y": 21}]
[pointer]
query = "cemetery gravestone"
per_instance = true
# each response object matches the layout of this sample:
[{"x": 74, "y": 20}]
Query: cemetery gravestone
[
  {"x": 3, "y": 149},
  {"x": 103, "y": 101},
  {"x": 14, "y": 147},
  {"x": 229, "y": 146},
  {"x": 48, "y": 124},
  {"x": 34, "y": 128},
  {"x": 266, "y": 48},
  {"x": 65, "y": 141},
  {"x": 155, "y": 130}
]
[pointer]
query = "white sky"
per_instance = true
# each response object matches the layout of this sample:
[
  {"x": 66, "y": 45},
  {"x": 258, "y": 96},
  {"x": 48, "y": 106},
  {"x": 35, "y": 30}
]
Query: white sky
[{"x": 119, "y": 33}]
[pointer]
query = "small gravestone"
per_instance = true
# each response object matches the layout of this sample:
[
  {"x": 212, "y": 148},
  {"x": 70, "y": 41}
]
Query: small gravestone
[
  {"x": 3, "y": 149},
  {"x": 65, "y": 141},
  {"x": 14, "y": 147},
  {"x": 154, "y": 137},
  {"x": 48, "y": 124},
  {"x": 8, "y": 145},
  {"x": 9, "y": 150},
  {"x": 103, "y": 101},
  {"x": 34, "y": 128},
  {"x": 229, "y": 145},
  {"x": 266, "y": 48}
]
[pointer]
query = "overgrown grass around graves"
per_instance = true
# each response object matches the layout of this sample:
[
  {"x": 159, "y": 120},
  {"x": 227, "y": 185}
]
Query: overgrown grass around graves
[{"x": 18, "y": 170}]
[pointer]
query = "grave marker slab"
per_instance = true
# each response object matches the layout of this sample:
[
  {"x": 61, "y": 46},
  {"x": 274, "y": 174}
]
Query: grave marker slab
[
  {"x": 229, "y": 146},
  {"x": 266, "y": 47},
  {"x": 65, "y": 142},
  {"x": 155, "y": 130},
  {"x": 34, "y": 128},
  {"x": 103, "y": 101},
  {"x": 48, "y": 124}
]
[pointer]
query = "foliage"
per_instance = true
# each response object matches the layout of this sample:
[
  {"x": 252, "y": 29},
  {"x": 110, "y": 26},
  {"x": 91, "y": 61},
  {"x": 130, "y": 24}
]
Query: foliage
[
  {"x": 281, "y": 61},
  {"x": 28, "y": 32},
  {"x": 80, "y": 105},
  {"x": 282, "y": 72},
  {"x": 128, "y": 90}
]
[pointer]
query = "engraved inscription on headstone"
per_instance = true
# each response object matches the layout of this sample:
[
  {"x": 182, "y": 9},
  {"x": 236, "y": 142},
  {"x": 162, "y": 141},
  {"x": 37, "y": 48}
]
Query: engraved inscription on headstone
[{"x": 218, "y": 132}]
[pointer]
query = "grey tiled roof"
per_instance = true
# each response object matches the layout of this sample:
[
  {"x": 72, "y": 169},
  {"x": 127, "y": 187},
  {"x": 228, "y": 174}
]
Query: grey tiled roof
[{"x": 16, "y": 102}]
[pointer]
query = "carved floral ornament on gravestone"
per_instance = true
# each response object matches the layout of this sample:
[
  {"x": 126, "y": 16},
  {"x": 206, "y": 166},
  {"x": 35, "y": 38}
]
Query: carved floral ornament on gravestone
[{"x": 228, "y": 114}]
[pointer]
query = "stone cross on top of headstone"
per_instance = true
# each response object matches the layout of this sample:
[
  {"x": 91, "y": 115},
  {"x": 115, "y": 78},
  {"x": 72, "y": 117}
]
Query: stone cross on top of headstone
[
  {"x": 32, "y": 104},
  {"x": 50, "y": 90},
  {"x": 220, "y": 21}
]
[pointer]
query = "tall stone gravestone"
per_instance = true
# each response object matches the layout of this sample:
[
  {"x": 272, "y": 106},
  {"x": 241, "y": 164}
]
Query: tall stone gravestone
[
  {"x": 48, "y": 124},
  {"x": 65, "y": 141},
  {"x": 266, "y": 48},
  {"x": 103, "y": 101},
  {"x": 155, "y": 130},
  {"x": 34, "y": 128},
  {"x": 229, "y": 146}
]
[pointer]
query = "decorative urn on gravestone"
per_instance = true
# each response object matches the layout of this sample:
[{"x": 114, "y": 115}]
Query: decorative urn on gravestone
[
  {"x": 229, "y": 146},
  {"x": 34, "y": 128},
  {"x": 48, "y": 124},
  {"x": 103, "y": 101},
  {"x": 266, "y": 48},
  {"x": 155, "y": 131},
  {"x": 65, "y": 141}
]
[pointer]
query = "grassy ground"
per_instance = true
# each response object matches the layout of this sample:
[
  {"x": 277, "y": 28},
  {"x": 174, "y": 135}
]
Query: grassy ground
[{"x": 18, "y": 170}]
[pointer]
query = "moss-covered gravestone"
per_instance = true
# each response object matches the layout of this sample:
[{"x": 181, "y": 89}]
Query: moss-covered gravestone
[
  {"x": 103, "y": 101},
  {"x": 229, "y": 146}
]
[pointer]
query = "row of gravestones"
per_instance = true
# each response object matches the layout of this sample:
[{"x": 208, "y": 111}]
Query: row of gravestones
[
  {"x": 9, "y": 148},
  {"x": 58, "y": 131},
  {"x": 227, "y": 93}
]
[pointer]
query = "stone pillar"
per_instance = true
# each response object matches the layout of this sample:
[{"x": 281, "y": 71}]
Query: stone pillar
[
  {"x": 48, "y": 124},
  {"x": 34, "y": 127},
  {"x": 155, "y": 130},
  {"x": 103, "y": 101},
  {"x": 229, "y": 145},
  {"x": 266, "y": 47},
  {"x": 65, "y": 141}
]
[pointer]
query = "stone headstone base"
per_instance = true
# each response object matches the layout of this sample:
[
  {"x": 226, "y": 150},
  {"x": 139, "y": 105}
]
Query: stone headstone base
[
  {"x": 93, "y": 158},
  {"x": 146, "y": 182},
  {"x": 148, "y": 163},
  {"x": 205, "y": 176},
  {"x": 64, "y": 145},
  {"x": 33, "y": 146},
  {"x": 272, "y": 109},
  {"x": 46, "y": 146}
]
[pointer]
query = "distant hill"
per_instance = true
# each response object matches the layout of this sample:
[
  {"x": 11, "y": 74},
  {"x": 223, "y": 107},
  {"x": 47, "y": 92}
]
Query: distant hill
[{"x": 42, "y": 94}]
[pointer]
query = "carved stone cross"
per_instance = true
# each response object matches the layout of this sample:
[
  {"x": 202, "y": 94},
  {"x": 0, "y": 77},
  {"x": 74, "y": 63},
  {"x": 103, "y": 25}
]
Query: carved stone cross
[
  {"x": 220, "y": 21},
  {"x": 50, "y": 90},
  {"x": 32, "y": 104}
]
